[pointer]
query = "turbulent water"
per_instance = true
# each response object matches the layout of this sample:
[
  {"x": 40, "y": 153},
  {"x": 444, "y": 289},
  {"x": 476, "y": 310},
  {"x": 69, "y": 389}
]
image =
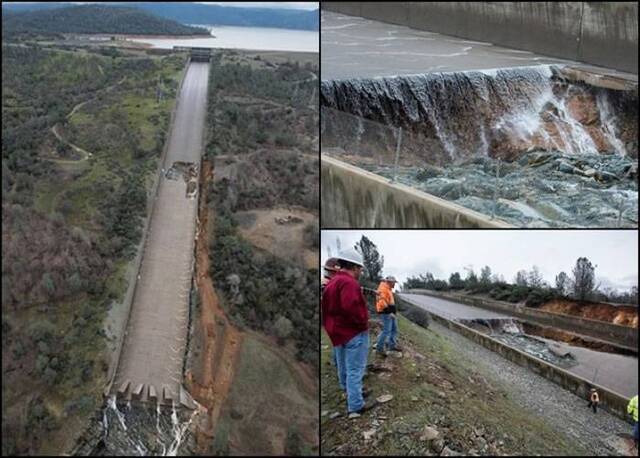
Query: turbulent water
[
  {"x": 568, "y": 152},
  {"x": 452, "y": 116},
  {"x": 138, "y": 430},
  {"x": 540, "y": 190}
]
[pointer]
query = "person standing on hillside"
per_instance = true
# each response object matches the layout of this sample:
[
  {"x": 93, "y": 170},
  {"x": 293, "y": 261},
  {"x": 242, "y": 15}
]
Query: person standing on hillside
[
  {"x": 345, "y": 318},
  {"x": 632, "y": 409},
  {"x": 330, "y": 268},
  {"x": 594, "y": 400},
  {"x": 386, "y": 308}
]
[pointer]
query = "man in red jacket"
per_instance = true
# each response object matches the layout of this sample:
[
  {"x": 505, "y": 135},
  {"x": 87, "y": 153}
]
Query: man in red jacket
[{"x": 345, "y": 318}]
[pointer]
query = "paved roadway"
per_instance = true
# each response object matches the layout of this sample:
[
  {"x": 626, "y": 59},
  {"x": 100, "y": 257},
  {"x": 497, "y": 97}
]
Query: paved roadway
[
  {"x": 616, "y": 372},
  {"x": 156, "y": 334},
  {"x": 354, "y": 47}
]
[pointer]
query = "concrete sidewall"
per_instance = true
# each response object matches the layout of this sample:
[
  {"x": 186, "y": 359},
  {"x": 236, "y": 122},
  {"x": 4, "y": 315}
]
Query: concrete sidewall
[
  {"x": 622, "y": 336},
  {"x": 600, "y": 33},
  {"x": 609, "y": 400},
  {"x": 353, "y": 197}
]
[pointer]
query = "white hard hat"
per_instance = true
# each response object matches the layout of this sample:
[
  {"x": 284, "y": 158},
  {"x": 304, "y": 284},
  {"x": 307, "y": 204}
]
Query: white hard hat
[
  {"x": 390, "y": 278},
  {"x": 351, "y": 256}
]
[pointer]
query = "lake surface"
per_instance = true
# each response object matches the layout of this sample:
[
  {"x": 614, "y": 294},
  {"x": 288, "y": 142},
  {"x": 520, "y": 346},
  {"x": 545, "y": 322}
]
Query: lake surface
[{"x": 258, "y": 38}]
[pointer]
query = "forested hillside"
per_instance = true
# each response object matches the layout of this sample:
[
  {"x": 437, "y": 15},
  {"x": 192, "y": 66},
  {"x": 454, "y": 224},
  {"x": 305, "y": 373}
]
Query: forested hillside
[
  {"x": 93, "y": 19},
  {"x": 263, "y": 119},
  {"x": 197, "y": 13},
  {"x": 81, "y": 136}
]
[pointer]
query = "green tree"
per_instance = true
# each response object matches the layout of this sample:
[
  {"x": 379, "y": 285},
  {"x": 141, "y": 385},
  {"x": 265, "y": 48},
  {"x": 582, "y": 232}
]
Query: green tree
[
  {"x": 282, "y": 328},
  {"x": 485, "y": 277},
  {"x": 455, "y": 281},
  {"x": 373, "y": 262},
  {"x": 47, "y": 283}
]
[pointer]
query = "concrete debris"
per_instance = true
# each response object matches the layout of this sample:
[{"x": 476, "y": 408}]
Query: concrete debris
[
  {"x": 437, "y": 445},
  {"x": 189, "y": 173},
  {"x": 449, "y": 452},
  {"x": 384, "y": 398},
  {"x": 429, "y": 434},
  {"x": 368, "y": 435}
]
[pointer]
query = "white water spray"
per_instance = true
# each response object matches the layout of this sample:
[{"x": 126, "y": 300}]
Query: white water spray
[{"x": 111, "y": 403}]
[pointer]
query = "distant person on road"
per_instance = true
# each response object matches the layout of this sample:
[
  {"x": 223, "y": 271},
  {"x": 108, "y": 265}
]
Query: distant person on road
[
  {"x": 345, "y": 318},
  {"x": 632, "y": 409},
  {"x": 386, "y": 308},
  {"x": 594, "y": 400}
]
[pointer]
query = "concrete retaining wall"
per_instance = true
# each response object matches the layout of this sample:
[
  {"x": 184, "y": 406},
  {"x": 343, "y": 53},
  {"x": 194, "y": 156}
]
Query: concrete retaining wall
[
  {"x": 600, "y": 33},
  {"x": 622, "y": 336},
  {"x": 352, "y": 197},
  {"x": 609, "y": 400}
]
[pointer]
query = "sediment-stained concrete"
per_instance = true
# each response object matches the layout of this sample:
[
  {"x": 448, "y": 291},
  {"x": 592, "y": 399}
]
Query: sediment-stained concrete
[{"x": 156, "y": 333}]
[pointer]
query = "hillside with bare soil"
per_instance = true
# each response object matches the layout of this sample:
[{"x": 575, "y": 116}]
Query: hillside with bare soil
[
  {"x": 624, "y": 315},
  {"x": 255, "y": 336}
]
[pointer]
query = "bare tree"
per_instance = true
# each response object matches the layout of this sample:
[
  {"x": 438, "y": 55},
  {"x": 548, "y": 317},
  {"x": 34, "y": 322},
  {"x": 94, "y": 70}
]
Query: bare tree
[
  {"x": 535, "y": 278},
  {"x": 563, "y": 283},
  {"x": 522, "y": 278}
]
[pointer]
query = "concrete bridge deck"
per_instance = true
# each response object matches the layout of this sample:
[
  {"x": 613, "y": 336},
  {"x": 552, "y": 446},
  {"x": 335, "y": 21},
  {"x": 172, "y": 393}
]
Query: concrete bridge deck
[{"x": 150, "y": 366}]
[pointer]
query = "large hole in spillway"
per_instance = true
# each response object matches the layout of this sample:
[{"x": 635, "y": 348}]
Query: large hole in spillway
[{"x": 527, "y": 145}]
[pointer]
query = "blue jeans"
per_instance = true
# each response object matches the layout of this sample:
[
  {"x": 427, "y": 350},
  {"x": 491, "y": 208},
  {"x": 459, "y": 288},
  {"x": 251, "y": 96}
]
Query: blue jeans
[
  {"x": 389, "y": 332},
  {"x": 635, "y": 431},
  {"x": 351, "y": 359}
]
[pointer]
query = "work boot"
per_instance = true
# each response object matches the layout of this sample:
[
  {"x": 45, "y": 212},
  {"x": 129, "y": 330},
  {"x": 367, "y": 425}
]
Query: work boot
[{"x": 367, "y": 406}]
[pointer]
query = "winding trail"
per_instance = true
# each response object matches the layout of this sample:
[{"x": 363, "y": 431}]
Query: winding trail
[{"x": 54, "y": 130}]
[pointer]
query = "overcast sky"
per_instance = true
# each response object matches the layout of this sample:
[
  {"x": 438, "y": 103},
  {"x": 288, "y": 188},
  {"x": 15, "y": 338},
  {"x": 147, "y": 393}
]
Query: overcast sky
[{"x": 408, "y": 253}]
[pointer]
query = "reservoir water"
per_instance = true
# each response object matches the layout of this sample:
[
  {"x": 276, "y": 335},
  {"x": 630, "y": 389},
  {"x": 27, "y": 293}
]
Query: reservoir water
[{"x": 257, "y": 38}]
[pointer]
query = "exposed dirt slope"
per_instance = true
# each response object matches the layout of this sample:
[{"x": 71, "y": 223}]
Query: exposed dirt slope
[
  {"x": 624, "y": 315},
  {"x": 210, "y": 381}
]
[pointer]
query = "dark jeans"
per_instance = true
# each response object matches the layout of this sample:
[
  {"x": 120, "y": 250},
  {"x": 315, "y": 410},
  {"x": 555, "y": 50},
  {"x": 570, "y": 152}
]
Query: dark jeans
[{"x": 594, "y": 405}]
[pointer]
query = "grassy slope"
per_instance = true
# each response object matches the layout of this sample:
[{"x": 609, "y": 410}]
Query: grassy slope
[
  {"x": 266, "y": 400},
  {"x": 451, "y": 396}
]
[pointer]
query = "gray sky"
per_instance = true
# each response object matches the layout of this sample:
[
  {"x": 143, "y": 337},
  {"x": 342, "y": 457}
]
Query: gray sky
[{"x": 408, "y": 253}]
